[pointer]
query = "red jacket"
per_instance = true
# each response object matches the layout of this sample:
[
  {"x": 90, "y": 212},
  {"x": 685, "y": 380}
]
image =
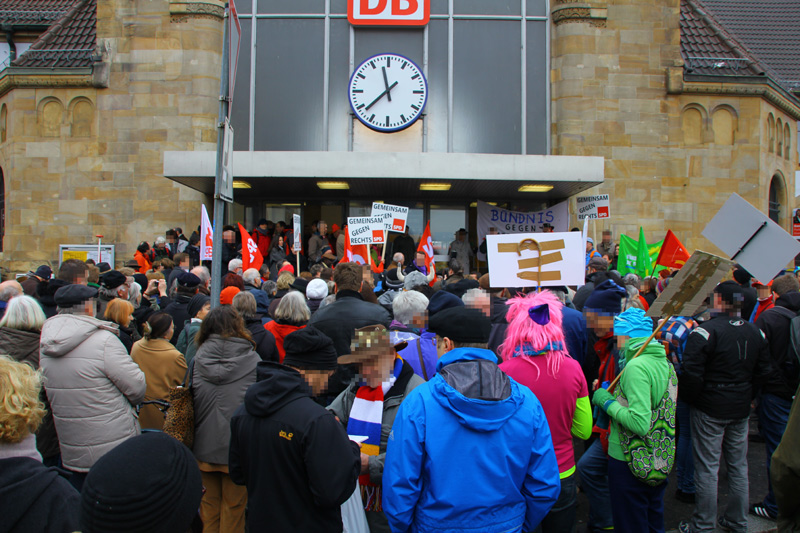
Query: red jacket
[{"x": 280, "y": 331}]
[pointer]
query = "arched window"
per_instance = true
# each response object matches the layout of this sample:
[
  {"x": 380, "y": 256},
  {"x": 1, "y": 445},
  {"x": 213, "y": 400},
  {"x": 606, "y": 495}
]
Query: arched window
[
  {"x": 771, "y": 132},
  {"x": 787, "y": 142},
  {"x": 779, "y": 137},
  {"x": 3, "y": 123},
  {"x": 692, "y": 126},
  {"x": 777, "y": 198},
  {"x": 723, "y": 124}
]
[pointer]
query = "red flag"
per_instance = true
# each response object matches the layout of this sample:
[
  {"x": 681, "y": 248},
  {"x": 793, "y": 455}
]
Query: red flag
[
  {"x": 251, "y": 257},
  {"x": 426, "y": 247},
  {"x": 673, "y": 254},
  {"x": 354, "y": 254}
]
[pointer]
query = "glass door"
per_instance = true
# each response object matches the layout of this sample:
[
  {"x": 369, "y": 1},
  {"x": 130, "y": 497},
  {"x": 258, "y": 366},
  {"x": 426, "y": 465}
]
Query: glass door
[{"x": 445, "y": 222}]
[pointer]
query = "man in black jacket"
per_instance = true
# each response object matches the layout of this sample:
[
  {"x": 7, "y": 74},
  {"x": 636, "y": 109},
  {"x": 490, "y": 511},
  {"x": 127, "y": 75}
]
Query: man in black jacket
[
  {"x": 725, "y": 360},
  {"x": 178, "y": 308},
  {"x": 775, "y": 400},
  {"x": 294, "y": 457}
]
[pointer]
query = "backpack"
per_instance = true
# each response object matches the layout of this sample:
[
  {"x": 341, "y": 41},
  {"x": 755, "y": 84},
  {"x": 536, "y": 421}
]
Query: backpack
[{"x": 790, "y": 365}]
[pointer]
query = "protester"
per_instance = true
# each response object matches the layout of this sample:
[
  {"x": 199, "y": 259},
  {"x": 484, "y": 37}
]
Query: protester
[
  {"x": 419, "y": 264},
  {"x": 599, "y": 366},
  {"x": 232, "y": 279},
  {"x": 409, "y": 326},
  {"x": 112, "y": 285},
  {"x": 749, "y": 294},
  {"x": 785, "y": 473},
  {"x": 591, "y": 253},
  {"x": 641, "y": 444},
  {"x": 227, "y": 294},
  {"x": 245, "y": 305},
  {"x": 164, "y": 367},
  {"x": 33, "y": 497},
  {"x": 369, "y": 408},
  {"x": 461, "y": 250},
  {"x": 224, "y": 367},
  {"x": 596, "y": 273},
  {"x": 43, "y": 273},
  {"x": 8, "y": 290},
  {"x": 178, "y": 309},
  {"x": 766, "y": 299},
  {"x": 775, "y": 397},
  {"x": 283, "y": 284},
  {"x": 316, "y": 242},
  {"x": 149, "y": 483},
  {"x": 92, "y": 383},
  {"x": 607, "y": 246},
  {"x": 403, "y": 243},
  {"x": 291, "y": 314},
  {"x": 294, "y": 457},
  {"x": 119, "y": 312},
  {"x": 144, "y": 257},
  {"x": 724, "y": 360},
  {"x": 277, "y": 251},
  {"x": 252, "y": 284},
  {"x": 316, "y": 291},
  {"x": 535, "y": 355},
  {"x": 574, "y": 324},
  {"x": 470, "y": 449},
  {"x": 198, "y": 307}
]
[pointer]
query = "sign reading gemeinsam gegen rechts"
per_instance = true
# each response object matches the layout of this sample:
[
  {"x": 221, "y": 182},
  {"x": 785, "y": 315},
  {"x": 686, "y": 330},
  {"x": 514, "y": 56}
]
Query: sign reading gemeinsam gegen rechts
[
  {"x": 597, "y": 206},
  {"x": 366, "y": 230}
]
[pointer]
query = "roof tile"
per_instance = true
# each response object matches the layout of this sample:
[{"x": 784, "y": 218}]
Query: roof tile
[{"x": 68, "y": 43}]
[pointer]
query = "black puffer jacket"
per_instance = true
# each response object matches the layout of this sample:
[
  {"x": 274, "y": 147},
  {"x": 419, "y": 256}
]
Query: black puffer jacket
[
  {"x": 292, "y": 454},
  {"x": 725, "y": 361},
  {"x": 775, "y": 323},
  {"x": 265, "y": 341}
]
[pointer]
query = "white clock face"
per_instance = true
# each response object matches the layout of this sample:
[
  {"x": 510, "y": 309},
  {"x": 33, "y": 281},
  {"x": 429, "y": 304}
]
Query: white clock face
[{"x": 388, "y": 92}]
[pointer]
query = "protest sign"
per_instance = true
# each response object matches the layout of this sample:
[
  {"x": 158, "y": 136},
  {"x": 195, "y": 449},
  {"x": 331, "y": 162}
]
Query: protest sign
[
  {"x": 297, "y": 228},
  {"x": 506, "y": 221},
  {"x": 598, "y": 206},
  {"x": 751, "y": 238},
  {"x": 535, "y": 259},
  {"x": 366, "y": 230},
  {"x": 395, "y": 216},
  {"x": 691, "y": 286}
]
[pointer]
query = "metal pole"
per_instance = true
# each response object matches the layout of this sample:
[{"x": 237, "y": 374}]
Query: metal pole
[{"x": 219, "y": 203}]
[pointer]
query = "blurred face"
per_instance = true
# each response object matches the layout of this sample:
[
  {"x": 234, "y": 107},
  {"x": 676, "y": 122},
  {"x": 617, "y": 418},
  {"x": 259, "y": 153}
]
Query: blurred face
[
  {"x": 763, "y": 291},
  {"x": 589, "y": 246},
  {"x": 606, "y": 237},
  {"x": 480, "y": 302},
  {"x": 323, "y": 228},
  {"x": 280, "y": 241},
  {"x": 420, "y": 258},
  {"x": 460, "y": 237},
  {"x": 601, "y": 323},
  {"x": 229, "y": 236},
  {"x": 317, "y": 380},
  {"x": 378, "y": 368}
]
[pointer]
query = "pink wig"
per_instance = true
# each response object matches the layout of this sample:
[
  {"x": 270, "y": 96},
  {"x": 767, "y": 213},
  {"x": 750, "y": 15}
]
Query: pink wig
[{"x": 524, "y": 332}]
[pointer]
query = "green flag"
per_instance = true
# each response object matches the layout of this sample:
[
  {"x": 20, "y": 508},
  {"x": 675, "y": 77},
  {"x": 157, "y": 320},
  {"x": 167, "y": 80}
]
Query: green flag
[{"x": 630, "y": 252}]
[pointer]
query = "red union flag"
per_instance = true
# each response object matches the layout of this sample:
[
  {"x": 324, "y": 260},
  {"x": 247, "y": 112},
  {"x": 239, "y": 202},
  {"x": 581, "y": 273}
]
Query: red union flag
[
  {"x": 388, "y": 12},
  {"x": 251, "y": 257}
]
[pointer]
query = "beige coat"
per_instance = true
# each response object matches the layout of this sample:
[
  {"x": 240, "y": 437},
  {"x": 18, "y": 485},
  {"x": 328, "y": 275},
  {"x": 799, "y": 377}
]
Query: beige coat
[
  {"x": 163, "y": 367},
  {"x": 92, "y": 384}
]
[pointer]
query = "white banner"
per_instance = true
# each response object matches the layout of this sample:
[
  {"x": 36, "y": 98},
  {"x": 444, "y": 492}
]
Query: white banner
[
  {"x": 504, "y": 221},
  {"x": 395, "y": 216},
  {"x": 366, "y": 230},
  {"x": 514, "y": 260},
  {"x": 297, "y": 228},
  {"x": 598, "y": 206}
]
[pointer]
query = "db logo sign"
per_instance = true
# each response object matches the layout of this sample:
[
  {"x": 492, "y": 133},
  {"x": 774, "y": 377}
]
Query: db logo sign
[
  {"x": 388, "y": 12},
  {"x": 398, "y": 225},
  {"x": 377, "y": 236}
]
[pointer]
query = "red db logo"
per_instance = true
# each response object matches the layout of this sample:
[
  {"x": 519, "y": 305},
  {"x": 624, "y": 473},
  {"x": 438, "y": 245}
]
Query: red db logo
[{"x": 388, "y": 12}]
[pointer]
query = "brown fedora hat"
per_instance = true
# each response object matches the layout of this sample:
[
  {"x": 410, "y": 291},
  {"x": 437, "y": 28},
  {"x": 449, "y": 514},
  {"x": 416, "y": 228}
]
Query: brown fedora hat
[{"x": 367, "y": 343}]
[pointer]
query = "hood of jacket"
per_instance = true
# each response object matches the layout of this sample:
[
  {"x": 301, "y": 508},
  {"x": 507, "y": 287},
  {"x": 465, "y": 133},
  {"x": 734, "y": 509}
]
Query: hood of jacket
[
  {"x": 63, "y": 333},
  {"x": 469, "y": 383},
  {"x": 276, "y": 385},
  {"x": 23, "y": 481},
  {"x": 790, "y": 300},
  {"x": 655, "y": 349},
  {"x": 21, "y": 345},
  {"x": 221, "y": 360}
]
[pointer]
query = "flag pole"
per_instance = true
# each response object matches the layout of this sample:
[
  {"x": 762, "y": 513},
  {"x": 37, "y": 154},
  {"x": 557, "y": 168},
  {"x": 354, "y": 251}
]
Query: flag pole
[
  {"x": 297, "y": 253},
  {"x": 385, "y": 238}
]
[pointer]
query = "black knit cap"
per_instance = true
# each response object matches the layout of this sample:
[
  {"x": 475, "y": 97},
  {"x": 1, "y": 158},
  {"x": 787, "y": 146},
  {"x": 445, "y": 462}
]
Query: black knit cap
[
  {"x": 149, "y": 484},
  {"x": 461, "y": 324},
  {"x": 196, "y": 304},
  {"x": 730, "y": 291},
  {"x": 112, "y": 279},
  {"x": 309, "y": 348}
]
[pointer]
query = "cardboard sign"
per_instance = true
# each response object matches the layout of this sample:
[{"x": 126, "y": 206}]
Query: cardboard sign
[
  {"x": 395, "y": 216},
  {"x": 388, "y": 12},
  {"x": 593, "y": 206},
  {"x": 691, "y": 286},
  {"x": 297, "y": 228},
  {"x": 751, "y": 239},
  {"x": 536, "y": 259},
  {"x": 365, "y": 230}
]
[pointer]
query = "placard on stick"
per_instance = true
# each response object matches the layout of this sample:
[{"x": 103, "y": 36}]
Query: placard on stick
[
  {"x": 395, "y": 216},
  {"x": 366, "y": 230},
  {"x": 597, "y": 206},
  {"x": 691, "y": 286},
  {"x": 751, "y": 239},
  {"x": 536, "y": 259}
]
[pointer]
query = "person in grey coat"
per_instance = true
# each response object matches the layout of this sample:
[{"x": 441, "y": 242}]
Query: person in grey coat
[{"x": 224, "y": 366}]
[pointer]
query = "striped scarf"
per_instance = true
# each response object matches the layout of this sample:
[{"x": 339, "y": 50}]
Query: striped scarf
[{"x": 366, "y": 417}]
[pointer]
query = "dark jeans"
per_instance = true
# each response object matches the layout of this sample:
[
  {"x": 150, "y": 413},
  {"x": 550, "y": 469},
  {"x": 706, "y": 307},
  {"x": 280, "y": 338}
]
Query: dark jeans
[
  {"x": 593, "y": 472},
  {"x": 637, "y": 507},
  {"x": 773, "y": 413},
  {"x": 562, "y": 517},
  {"x": 684, "y": 460}
]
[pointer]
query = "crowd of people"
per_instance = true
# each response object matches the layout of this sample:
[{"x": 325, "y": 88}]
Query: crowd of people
[{"x": 410, "y": 399}]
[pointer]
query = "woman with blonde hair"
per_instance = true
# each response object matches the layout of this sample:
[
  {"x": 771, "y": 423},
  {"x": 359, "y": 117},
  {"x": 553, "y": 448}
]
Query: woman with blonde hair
[
  {"x": 163, "y": 366},
  {"x": 33, "y": 497},
  {"x": 20, "y": 332},
  {"x": 223, "y": 368},
  {"x": 120, "y": 312}
]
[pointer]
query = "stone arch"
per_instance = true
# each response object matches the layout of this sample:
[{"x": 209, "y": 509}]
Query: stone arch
[
  {"x": 693, "y": 120},
  {"x": 779, "y": 138},
  {"x": 777, "y": 198},
  {"x": 50, "y": 117},
  {"x": 771, "y": 132},
  {"x": 3, "y": 123},
  {"x": 81, "y": 113},
  {"x": 787, "y": 142},
  {"x": 724, "y": 122}
]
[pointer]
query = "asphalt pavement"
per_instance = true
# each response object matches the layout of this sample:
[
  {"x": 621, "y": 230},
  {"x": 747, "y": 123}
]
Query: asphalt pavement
[{"x": 675, "y": 511}]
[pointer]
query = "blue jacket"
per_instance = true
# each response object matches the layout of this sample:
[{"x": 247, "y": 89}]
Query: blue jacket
[{"x": 458, "y": 463}]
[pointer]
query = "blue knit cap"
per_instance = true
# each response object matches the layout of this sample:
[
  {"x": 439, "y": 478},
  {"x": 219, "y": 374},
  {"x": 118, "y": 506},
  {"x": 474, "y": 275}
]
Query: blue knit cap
[
  {"x": 633, "y": 323},
  {"x": 606, "y": 298}
]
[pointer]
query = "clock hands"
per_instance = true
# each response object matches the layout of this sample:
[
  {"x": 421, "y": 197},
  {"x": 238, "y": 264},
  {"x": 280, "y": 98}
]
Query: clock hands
[
  {"x": 386, "y": 84},
  {"x": 386, "y": 92}
]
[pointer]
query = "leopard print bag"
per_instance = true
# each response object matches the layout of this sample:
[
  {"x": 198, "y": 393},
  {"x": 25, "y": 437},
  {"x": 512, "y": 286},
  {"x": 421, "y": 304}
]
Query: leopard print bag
[{"x": 179, "y": 422}]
